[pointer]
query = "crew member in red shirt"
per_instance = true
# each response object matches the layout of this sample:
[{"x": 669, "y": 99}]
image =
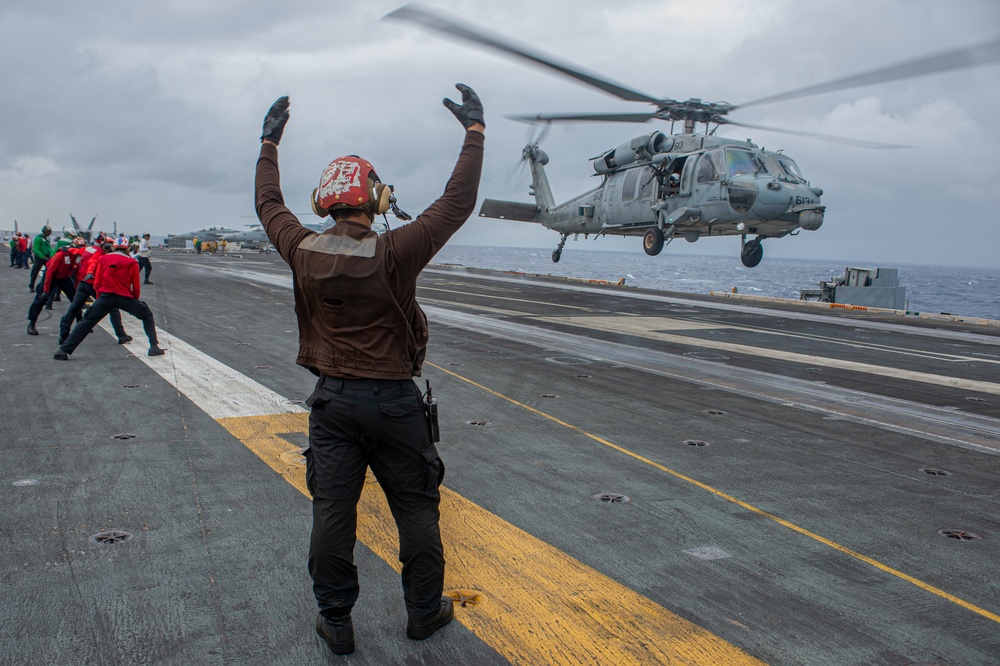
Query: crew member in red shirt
[
  {"x": 116, "y": 282},
  {"x": 85, "y": 289},
  {"x": 23, "y": 258},
  {"x": 59, "y": 271}
]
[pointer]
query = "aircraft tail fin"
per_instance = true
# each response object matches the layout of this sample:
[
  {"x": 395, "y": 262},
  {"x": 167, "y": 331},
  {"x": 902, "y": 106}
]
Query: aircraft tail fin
[{"x": 540, "y": 190}]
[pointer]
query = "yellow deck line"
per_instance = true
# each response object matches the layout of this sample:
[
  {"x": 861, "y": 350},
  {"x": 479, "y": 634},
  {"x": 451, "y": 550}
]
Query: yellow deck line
[
  {"x": 781, "y": 521},
  {"x": 537, "y": 605}
]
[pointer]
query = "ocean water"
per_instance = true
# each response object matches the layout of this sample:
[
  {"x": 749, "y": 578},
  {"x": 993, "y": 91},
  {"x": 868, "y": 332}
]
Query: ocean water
[{"x": 971, "y": 292}]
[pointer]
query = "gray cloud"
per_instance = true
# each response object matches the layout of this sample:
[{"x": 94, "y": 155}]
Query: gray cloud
[{"x": 149, "y": 114}]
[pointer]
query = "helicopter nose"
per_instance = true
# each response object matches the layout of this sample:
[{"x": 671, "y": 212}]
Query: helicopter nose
[{"x": 772, "y": 202}]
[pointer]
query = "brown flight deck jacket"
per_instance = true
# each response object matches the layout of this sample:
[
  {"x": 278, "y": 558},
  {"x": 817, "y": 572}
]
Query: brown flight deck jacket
[{"x": 355, "y": 291}]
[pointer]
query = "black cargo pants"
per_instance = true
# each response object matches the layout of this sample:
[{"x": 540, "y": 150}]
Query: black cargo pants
[
  {"x": 104, "y": 304},
  {"x": 36, "y": 267},
  {"x": 355, "y": 424},
  {"x": 85, "y": 290},
  {"x": 65, "y": 285}
]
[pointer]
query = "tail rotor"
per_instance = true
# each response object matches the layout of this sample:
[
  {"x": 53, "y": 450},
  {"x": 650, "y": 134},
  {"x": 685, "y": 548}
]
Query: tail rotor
[{"x": 518, "y": 175}]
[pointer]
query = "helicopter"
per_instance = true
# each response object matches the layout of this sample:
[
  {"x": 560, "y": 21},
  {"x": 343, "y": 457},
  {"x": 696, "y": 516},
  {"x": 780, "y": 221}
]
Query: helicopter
[{"x": 689, "y": 185}]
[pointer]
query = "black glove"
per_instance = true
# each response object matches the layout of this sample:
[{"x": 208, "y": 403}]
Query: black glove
[
  {"x": 471, "y": 110},
  {"x": 274, "y": 121}
]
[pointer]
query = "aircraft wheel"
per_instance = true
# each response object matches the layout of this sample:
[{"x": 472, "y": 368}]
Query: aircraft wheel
[
  {"x": 556, "y": 256},
  {"x": 752, "y": 253},
  {"x": 652, "y": 242}
]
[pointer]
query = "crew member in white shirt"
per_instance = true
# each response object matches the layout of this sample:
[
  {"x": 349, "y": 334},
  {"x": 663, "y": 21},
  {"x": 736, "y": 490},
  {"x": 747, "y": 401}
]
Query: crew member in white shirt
[{"x": 143, "y": 258}]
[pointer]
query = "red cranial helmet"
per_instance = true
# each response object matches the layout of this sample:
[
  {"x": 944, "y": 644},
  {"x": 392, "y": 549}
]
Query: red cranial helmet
[{"x": 350, "y": 182}]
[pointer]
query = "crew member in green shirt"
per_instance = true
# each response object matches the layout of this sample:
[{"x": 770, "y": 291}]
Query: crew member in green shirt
[{"x": 42, "y": 249}]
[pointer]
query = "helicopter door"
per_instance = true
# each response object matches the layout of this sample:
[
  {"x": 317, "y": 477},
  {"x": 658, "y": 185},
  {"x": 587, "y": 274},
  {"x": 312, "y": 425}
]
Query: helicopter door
[
  {"x": 619, "y": 189},
  {"x": 711, "y": 166},
  {"x": 609, "y": 198},
  {"x": 641, "y": 209},
  {"x": 687, "y": 177}
]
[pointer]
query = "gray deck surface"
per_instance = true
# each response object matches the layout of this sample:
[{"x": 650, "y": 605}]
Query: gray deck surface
[{"x": 824, "y": 419}]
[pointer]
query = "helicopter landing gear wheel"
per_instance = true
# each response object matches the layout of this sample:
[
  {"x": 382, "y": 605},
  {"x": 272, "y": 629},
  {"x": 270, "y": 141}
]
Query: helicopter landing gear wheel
[
  {"x": 652, "y": 242},
  {"x": 557, "y": 253},
  {"x": 752, "y": 253}
]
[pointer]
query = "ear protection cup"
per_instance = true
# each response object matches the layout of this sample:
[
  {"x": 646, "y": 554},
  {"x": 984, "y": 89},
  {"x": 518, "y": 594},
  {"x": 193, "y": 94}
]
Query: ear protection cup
[
  {"x": 319, "y": 210},
  {"x": 383, "y": 197}
]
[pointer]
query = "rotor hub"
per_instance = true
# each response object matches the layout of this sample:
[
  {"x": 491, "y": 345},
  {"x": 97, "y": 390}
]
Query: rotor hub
[{"x": 694, "y": 109}]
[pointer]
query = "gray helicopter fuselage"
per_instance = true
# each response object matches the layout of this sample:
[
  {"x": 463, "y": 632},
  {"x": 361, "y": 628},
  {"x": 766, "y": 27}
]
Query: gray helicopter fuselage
[
  {"x": 721, "y": 184},
  {"x": 681, "y": 186}
]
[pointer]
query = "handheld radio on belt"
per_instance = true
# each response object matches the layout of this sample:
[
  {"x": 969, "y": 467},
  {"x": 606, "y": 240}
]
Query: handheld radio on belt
[{"x": 431, "y": 412}]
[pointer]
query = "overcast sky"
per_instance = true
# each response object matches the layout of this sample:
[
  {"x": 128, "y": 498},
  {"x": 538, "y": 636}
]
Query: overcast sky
[{"x": 149, "y": 114}]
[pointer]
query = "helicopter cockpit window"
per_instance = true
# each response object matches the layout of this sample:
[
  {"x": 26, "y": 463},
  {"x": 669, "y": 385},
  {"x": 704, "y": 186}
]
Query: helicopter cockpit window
[
  {"x": 741, "y": 162},
  {"x": 646, "y": 183},
  {"x": 710, "y": 166},
  {"x": 628, "y": 187},
  {"x": 790, "y": 167}
]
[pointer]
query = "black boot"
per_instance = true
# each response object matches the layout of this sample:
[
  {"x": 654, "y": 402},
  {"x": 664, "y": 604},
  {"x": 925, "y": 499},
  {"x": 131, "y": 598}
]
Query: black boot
[
  {"x": 445, "y": 614},
  {"x": 32, "y": 330},
  {"x": 338, "y": 634}
]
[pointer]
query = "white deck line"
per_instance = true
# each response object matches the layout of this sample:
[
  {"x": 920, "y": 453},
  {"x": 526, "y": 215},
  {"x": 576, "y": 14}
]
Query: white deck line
[{"x": 218, "y": 390}]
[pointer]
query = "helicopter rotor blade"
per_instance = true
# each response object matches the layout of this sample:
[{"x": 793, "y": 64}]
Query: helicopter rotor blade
[
  {"x": 435, "y": 21},
  {"x": 962, "y": 58},
  {"x": 857, "y": 143},
  {"x": 578, "y": 117}
]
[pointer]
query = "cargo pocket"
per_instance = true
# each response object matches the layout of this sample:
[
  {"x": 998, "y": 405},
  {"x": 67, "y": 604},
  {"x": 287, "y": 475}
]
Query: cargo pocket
[
  {"x": 319, "y": 397},
  {"x": 434, "y": 467},
  {"x": 399, "y": 409}
]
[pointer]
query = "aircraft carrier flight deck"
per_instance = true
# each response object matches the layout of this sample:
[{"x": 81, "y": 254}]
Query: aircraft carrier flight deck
[{"x": 633, "y": 477}]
